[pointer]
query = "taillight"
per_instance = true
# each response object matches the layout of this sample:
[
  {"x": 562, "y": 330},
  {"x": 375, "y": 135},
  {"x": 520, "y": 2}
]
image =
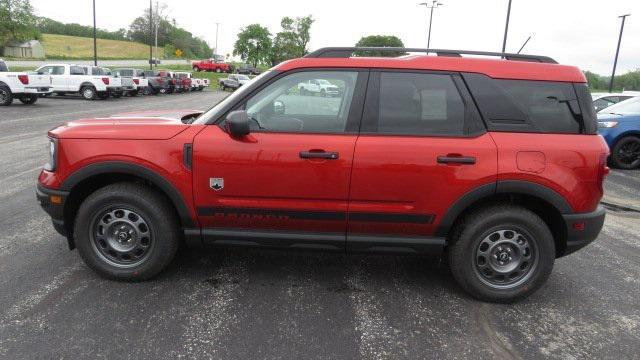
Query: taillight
[
  {"x": 136, "y": 81},
  {"x": 105, "y": 81},
  {"x": 603, "y": 170},
  {"x": 24, "y": 79}
]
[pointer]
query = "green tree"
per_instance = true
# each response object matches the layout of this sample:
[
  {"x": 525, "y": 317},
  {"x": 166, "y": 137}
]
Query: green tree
[
  {"x": 17, "y": 21},
  {"x": 291, "y": 42},
  {"x": 253, "y": 44},
  {"x": 380, "y": 41}
]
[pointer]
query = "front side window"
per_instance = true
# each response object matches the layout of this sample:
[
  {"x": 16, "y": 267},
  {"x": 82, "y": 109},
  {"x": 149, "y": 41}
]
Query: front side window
[
  {"x": 419, "y": 104},
  {"x": 286, "y": 105}
]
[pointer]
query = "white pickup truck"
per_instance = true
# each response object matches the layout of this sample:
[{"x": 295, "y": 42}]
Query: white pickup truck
[
  {"x": 140, "y": 83},
  {"x": 318, "y": 86},
  {"x": 73, "y": 79},
  {"x": 24, "y": 86}
]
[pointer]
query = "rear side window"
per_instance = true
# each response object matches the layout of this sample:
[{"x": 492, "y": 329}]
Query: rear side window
[
  {"x": 527, "y": 106},
  {"x": 419, "y": 104},
  {"x": 76, "y": 70},
  {"x": 3, "y": 67}
]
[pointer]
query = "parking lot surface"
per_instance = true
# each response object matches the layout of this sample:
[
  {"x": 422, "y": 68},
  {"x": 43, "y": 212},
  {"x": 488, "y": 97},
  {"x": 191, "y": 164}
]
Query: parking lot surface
[{"x": 245, "y": 304}]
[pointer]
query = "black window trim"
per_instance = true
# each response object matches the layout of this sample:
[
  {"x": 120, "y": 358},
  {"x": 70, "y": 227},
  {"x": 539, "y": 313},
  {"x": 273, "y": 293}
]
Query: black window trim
[
  {"x": 474, "y": 125},
  {"x": 355, "y": 112}
]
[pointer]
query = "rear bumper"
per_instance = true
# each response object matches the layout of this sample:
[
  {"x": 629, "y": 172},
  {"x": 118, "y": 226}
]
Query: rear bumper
[
  {"x": 55, "y": 211},
  {"x": 38, "y": 90},
  {"x": 582, "y": 229}
]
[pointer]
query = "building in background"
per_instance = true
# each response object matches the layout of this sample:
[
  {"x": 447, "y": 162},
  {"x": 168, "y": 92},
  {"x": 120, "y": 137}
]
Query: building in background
[{"x": 28, "y": 49}]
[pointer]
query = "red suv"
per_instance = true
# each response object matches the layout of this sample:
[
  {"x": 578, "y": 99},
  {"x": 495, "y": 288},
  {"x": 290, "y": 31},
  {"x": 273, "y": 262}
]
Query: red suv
[{"x": 493, "y": 162}]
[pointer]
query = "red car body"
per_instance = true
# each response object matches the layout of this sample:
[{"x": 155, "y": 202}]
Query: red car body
[{"x": 383, "y": 193}]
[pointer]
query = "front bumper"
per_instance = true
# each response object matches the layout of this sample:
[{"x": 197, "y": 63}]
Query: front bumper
[
  {"x": 55, "y": 209},
  {"x": 582, "y": 229}
]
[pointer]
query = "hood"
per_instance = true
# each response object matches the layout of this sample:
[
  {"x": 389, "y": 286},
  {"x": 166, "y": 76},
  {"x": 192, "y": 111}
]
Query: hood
[{"x": 121, "y": 128}]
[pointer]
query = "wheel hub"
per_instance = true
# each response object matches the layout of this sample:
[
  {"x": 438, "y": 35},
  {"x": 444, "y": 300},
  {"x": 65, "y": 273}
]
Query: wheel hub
[{"x": 121, "y": 237}]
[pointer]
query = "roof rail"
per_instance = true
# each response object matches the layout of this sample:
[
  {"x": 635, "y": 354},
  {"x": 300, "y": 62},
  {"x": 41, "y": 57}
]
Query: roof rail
[{"x": 345, "y": 52}]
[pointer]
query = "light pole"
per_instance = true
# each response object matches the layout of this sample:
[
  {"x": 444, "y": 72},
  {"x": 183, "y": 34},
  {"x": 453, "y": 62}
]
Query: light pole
[
  {"x": 434, "y": 4},
  {"x": 506, "y": 28},
  {"x": 215, "y": 52},
  {"x": 95, "y": 42},
  {"x": 150, "y": 34},
  {"x": 615, "y": 61},
  {"x": 157, "y": 21}
]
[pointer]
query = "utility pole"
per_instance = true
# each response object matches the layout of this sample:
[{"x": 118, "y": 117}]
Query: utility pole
[
  {"x": 95, "y": 42},
  {"x": 506, "y": 28},
  {"x": 150, "y": 34},
  {"x": 615, "y": 61},
  {"x": 434, "y": 4},
  {"x": 215, "y": 52},
  {"x": 157, "y": 24}
]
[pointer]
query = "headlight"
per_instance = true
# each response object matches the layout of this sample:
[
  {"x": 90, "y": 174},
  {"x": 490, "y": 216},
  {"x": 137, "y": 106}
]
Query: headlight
[
  {"x": 53, "y": 155},
  {"x": 607, "y": 124}
]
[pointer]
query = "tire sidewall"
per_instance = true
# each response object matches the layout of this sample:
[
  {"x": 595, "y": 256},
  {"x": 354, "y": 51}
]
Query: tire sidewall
[
  {"x": 84, "y": 93},
  {"x": 163, "y": 235},
  {"x": 9, "y": 96},
  {"x": 476, "y": 231}
]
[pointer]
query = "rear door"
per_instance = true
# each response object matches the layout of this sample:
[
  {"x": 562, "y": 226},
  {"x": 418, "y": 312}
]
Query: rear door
[
  {"x": 288, "y": 180},
  {"x": 421, "y": 148}
]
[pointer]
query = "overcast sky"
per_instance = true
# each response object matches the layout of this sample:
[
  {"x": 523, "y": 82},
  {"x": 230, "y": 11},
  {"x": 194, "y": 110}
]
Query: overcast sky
[{"x": 576, "y": 32}]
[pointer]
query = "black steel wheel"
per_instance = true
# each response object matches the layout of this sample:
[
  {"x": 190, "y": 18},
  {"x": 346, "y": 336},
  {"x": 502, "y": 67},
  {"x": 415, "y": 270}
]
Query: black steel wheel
[
  {"x": 29, "y": 99},
  {"x": 626, "y": 153}
]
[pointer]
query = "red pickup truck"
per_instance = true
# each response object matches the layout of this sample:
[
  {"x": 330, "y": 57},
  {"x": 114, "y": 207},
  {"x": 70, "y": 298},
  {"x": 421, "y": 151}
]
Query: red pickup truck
[
  {"x": 212, "y": 65},
  {"x": 495, "y": 164}
]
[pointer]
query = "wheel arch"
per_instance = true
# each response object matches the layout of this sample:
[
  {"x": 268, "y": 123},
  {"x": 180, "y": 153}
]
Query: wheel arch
[
  {"x": 542, "y": 200},
  {"x": 88, "y": 179}
]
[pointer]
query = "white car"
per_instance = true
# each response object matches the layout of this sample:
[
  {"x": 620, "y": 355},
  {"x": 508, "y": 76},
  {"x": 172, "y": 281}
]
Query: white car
[
  {"x": 318, "y": 86},
  {"x": 602, "y": 101},
  {"x": 72, "y": 79},
  {"x": 24, "y": 86}
]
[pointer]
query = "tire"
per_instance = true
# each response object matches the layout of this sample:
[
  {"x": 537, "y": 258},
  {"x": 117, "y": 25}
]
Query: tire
[
  {"x": 162, "y": 91},
  {"x": 626, "y": 153},
  {"x": 117, "y": 95},
  {"x": 501, "y": 232},
  {"x": 29, "y": 99},
  {"x": 6, "y": 97},
  {"x": 323, "y": 93},
  {"x": 196, "y": 69},
  {"x": 134, "y": 93},
  {"x": 103, "y": 95},
  {"x": 88, "y": 92},
  {"x": 218, "y": 70},
  {"x": 145, "y": 237}
]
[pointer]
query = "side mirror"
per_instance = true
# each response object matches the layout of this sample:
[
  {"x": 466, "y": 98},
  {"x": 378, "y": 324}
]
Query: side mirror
[
  {"x": 237, "y": 124},
  {"x": 279, "y": 108}
]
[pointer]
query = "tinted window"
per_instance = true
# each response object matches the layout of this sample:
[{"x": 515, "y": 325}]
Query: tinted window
[
  {"x": 285, "y": 105},
  {"x": 419, "y": 104},
  {"x": 76, "y": 70},
  {"x": 3, "y": 67},
  {"x": 548, "y": 105},
  {"x": 602, "y": 103},
  {"x": 125, "y": 72}
]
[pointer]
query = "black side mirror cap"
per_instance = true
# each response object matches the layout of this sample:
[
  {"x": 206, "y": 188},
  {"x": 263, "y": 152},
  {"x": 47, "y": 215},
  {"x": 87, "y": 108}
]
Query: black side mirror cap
[{"x": 237, "y": 124}]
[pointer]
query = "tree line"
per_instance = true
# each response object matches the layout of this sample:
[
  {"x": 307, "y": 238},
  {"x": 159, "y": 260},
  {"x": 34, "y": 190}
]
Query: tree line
[{"x": 628, "y": 81}]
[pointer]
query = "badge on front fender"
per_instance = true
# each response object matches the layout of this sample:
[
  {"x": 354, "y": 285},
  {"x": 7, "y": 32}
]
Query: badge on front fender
[{"x": 216, "y": 184}]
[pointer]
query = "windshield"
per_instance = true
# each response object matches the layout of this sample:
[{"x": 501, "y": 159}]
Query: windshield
[
  {"x": 627, "y": 107},
  {"x": 229, "y": 99},
  {"x": 243, "y": 77}
]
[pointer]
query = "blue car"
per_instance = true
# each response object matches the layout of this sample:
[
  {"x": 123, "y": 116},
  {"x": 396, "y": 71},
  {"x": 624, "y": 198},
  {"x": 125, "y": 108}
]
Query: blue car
[{"x": 619, "y": 124}]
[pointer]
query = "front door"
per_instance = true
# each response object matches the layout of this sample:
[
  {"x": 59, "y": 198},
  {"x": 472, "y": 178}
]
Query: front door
[
  {"x": 422, "y": 147},
  {"x": 288, "y": 180}
]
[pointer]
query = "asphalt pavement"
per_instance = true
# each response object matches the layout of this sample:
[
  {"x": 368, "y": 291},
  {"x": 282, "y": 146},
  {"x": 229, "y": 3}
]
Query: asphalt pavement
[{"x": 251, "y": 304}]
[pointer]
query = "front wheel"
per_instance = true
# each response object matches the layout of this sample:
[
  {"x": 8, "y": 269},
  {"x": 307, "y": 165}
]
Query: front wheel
[
  {"x": 501, "y": 253},
  {"x": 218, "y": 70},
  {"x": 29, "y": 99},
  {"x": 626, "y": 153},
  {"x": 126, "y": 231}
]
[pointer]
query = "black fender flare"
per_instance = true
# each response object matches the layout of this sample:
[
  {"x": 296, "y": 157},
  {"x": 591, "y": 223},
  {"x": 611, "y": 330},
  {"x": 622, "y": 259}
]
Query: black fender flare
[
  {"x": 502, "y": 187},
  {"x": 121, "y": 167}
]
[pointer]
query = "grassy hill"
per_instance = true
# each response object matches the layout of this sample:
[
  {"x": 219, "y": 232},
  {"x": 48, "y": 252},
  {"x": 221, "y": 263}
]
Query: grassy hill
[{"x": 73, "y": 47}]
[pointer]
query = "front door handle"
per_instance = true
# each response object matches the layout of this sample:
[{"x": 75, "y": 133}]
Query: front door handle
[
  {"x": 319, "y": 154},
  {"x": 449, "y": 159}
]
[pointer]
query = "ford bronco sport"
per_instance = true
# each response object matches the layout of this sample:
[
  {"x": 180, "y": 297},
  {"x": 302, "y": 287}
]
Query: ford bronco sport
[{"x": 492, "y": 160}]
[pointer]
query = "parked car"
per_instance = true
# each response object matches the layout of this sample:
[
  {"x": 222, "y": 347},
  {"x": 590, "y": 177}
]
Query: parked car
[
  {"x": 212, "y": 65},
  {"x": 248, "y": 69},
  {"x": 480, "y": 160},
  {"x": 197, "y": 84},
  {"x": 182, "y": 81},
  {"x": 24, "y": 86},
  {"x": 159, "y": 81},
  {"x": 140, "y": 83},
  {"x": 233, "y": 82},
  {"x": 318, "y": 86},
  {"x": 619, "y": 124},
  {"x": 602, "y": 101},
  {"x": 72, "y": 79}
]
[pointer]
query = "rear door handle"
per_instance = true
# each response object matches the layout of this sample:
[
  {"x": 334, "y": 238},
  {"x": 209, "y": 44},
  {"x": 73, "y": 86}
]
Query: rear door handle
[
  {"x": 465, "y": 160},
  {"x": 315, "y": 154}
]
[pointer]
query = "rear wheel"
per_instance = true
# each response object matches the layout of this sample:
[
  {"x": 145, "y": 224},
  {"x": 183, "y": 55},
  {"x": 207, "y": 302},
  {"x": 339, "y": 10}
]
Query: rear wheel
[
  {"x": 126, "y": 231},
  {"x": 88, "y": 92},
  {"x": 117, "y": 94},
  {"x": 626, "y": 153},
  {"x": 134, "y": 93},
  {"x": 196, "y": 69},
  {"x": 501, "y": 253},
  {"x": 29, "y": 99},
  {"x": 6, "y": 98}
]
